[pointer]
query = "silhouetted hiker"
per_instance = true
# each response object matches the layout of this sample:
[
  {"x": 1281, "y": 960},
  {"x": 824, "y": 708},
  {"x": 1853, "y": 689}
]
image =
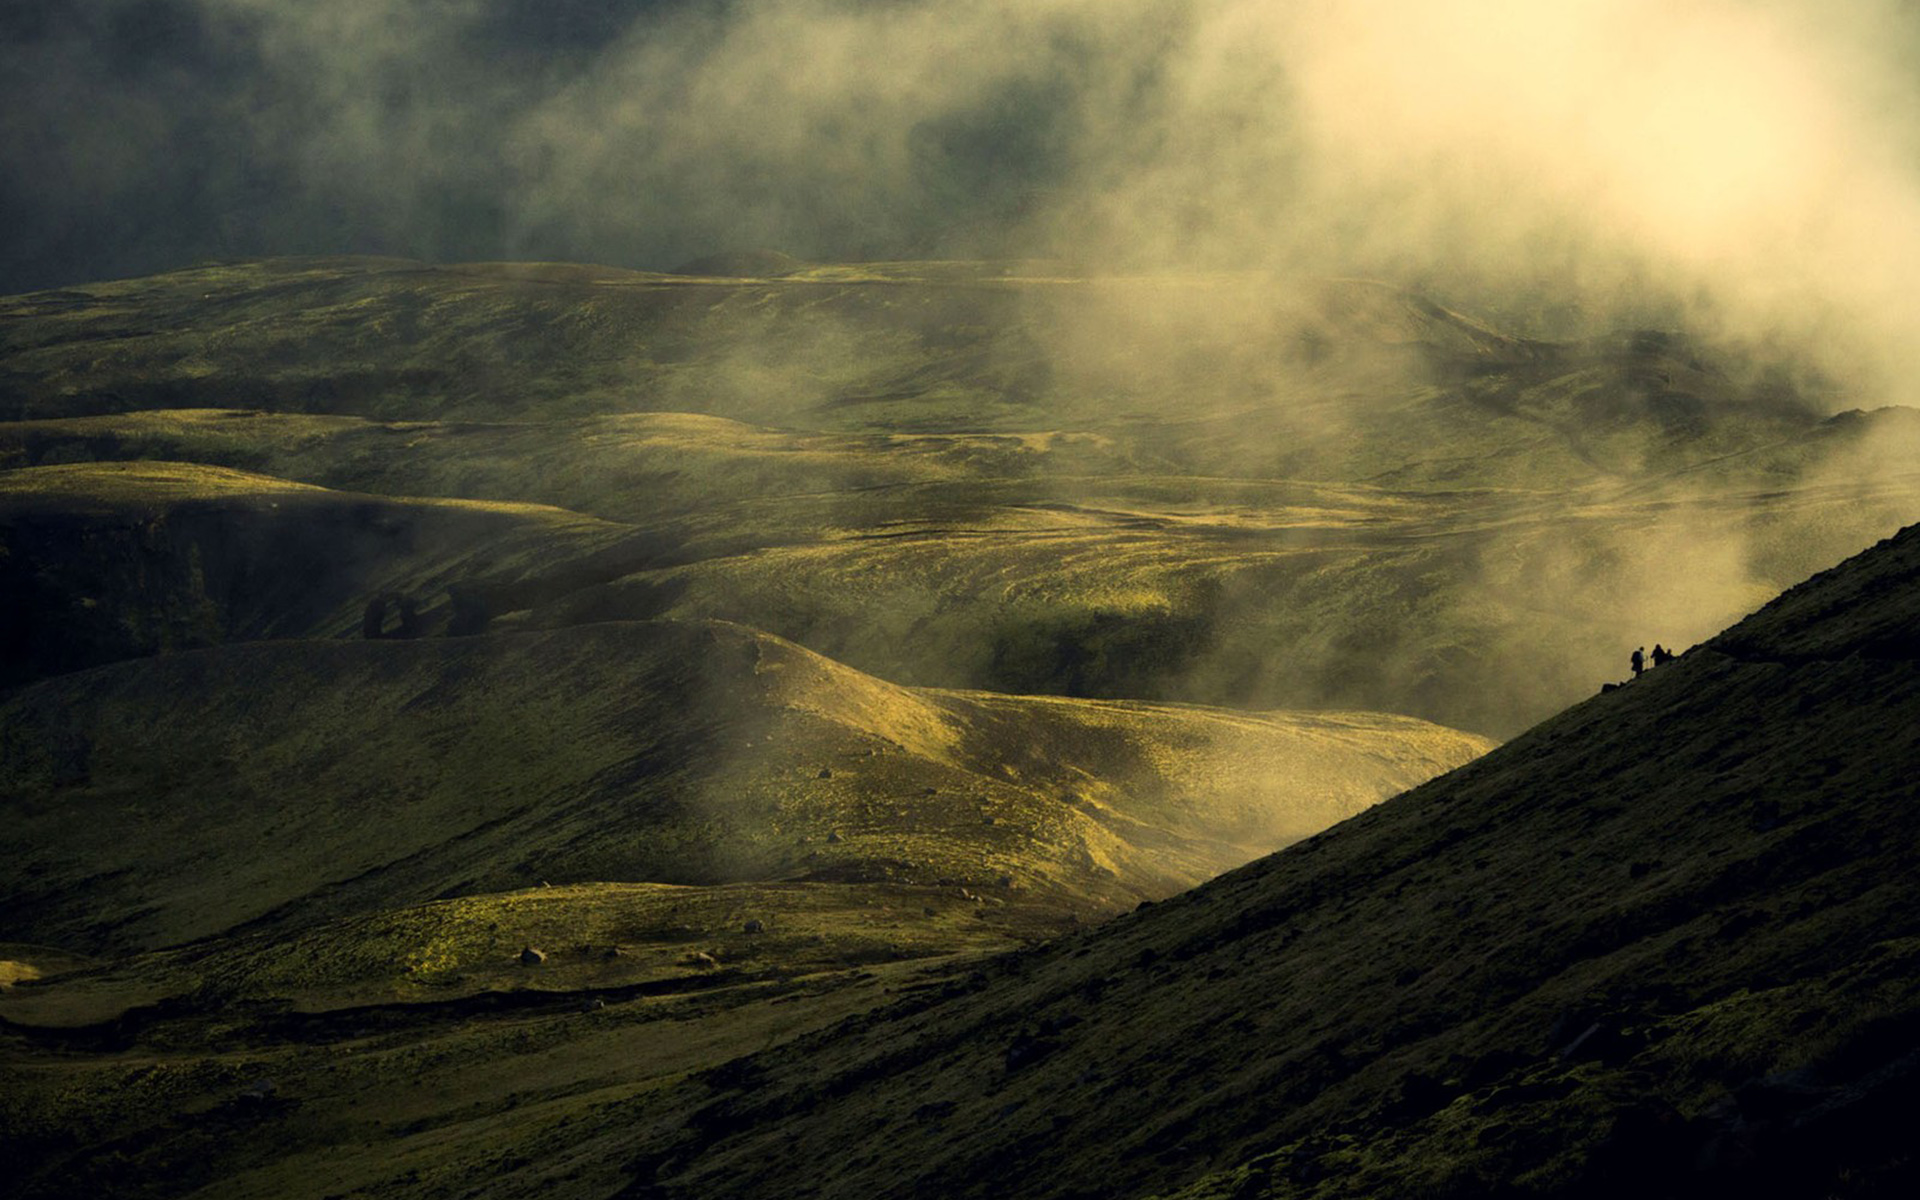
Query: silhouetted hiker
[
  {"x": 374, "y": 617},
  {"x": 469, "y": 611},
  {"x": 1660, "y": 656},
  {"x": 1639, "y": 661},
  {"x": 409, "y": 619}
]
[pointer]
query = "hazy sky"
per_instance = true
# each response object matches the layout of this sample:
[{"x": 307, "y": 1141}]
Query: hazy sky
[{"x": 1752, "y": 162}]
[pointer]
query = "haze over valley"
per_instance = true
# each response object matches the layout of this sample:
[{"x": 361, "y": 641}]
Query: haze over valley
[{"x": 842, "y": 598}]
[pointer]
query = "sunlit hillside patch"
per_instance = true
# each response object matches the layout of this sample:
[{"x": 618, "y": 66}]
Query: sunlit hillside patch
[
  {"x": 1242, "y": 488},
  {"x": 399, "y": 771}
]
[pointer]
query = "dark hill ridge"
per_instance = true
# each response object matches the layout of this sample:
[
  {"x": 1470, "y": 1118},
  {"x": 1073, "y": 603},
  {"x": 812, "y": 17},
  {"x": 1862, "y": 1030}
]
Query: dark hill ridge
[
  {"x": 934, "y": 346},
  {"x": 115, "y": 560},
  {"x": 1666, "y": 943},
  {"x": 760, "y": 264}
]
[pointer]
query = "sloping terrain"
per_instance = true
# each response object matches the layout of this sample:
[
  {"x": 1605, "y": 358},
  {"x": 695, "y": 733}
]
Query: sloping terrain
[
  {"x": 452, "y": 714},
  {"x": 1664, "y": 943},
  {"x": 276, "y": 784},
  {"x": 107, "y": 561},
  {"x": 1184, "y": 367},
  {"x": 1213, "y": 489},
  {"x": 599, "y": 857}
]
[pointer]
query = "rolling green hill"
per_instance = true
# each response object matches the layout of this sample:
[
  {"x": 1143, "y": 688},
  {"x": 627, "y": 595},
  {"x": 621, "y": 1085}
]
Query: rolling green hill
[
  {"x": 270, "y": 785},
  {"x": 1213, "y": 489},
  {"x": 688, "y": 836}
]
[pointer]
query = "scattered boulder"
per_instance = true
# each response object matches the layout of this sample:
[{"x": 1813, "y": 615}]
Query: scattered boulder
[
  {"x": 754, "y": 926},
  {"x": 409, "y": 626},
  {"x": 1026, "y": 1049},
  {"x": 825, "y": 773},
  {"x": 469, "y": 610},
  {"x": 1418, "y": 1095},
  {"x": 613, "y": 952},
  {"x": 1579, "y": 1036},
  {"x": 833, "y": 836},
  {"x": 374, "y": 622},
  {"x": 259, "y": 1091},
  {"x": 703, "y": 960},
  {"x": 530, "y": 957}
]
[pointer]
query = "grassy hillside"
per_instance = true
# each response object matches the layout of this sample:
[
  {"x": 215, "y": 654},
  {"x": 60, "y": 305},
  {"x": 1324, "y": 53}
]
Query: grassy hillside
[
  {"x": 276, "y": 784},
  {"x": 582, "y": 863},
  {"x": 1215, "y": 489},
  {"x": 1185, "y": 366},
  {"x": 105, "y": 561},
  {"x": 1664, "y": 942},
  {"x": 452, "y": 714}
]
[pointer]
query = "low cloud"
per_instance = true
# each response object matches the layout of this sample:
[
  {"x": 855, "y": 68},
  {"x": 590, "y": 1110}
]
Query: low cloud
[{"x": 1748, "y": 170}]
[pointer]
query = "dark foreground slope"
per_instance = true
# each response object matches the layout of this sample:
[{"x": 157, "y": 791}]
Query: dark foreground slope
[{"x": 1667, "y": 942}]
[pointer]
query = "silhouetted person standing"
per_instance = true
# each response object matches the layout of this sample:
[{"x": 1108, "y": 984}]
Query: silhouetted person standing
[
  {"x": 374, "y": 618},
  {"x": 469, "y": 611},
  {"x": 1660, "y": 656},
  {"x": 1639, "y": 661},
  {"x": 409, "y": 619}
]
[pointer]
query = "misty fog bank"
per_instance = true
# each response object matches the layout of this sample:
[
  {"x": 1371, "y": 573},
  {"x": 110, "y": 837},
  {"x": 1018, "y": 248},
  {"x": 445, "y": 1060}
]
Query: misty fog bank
[{"x": 1745, "y": 169}]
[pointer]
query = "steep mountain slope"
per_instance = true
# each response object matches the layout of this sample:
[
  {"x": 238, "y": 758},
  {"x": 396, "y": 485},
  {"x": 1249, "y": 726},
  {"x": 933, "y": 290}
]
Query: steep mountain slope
[{"x": 1666, "y": 942}]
